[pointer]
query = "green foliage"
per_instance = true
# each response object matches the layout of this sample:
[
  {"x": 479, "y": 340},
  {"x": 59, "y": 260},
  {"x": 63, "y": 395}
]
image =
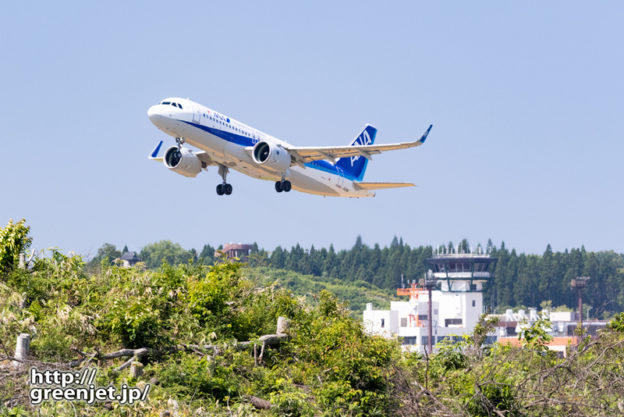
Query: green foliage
[
  {"x": 328, "y": 366},
  {"x": 492, "y": 397},
  {"x": 484, "y": 326},
  {"x": 136, "y": 322},
  {"x": 13, "y": 318},
  {"x": 208, "y": 296},
  {"x": 355, "y": 294},
  {"x": 187, "y": 377},
  {"x": 165, "y": 251},
  {"x": 52, "y": 344},
  {"x": 536, "y": 335},
  {"x": 14, "y": 240},
  {"x": 520, "y": 279},
  {"x": 450, "y": 356},
  {"x": 105, "y": 255},
  {"x": 355, "y": 370},
  {"x": 617, "y": 323}
]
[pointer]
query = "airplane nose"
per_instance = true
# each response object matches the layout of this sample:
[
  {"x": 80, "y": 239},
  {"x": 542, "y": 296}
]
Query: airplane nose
[
  {"x": 156, "y": 116},
  {"x": 151, "y": 113}
]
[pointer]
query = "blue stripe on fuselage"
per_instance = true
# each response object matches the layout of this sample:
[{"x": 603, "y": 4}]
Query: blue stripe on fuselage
[
  {"x": 241, "y": 140},
  {"x": 228, "y": 136}
]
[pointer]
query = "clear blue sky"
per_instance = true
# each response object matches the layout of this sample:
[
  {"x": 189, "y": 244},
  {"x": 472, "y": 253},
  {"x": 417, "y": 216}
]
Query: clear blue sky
[{"x": 526, "y": 98}]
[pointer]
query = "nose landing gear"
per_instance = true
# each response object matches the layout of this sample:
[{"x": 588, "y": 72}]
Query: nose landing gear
[{"x": 224, "y": 188}]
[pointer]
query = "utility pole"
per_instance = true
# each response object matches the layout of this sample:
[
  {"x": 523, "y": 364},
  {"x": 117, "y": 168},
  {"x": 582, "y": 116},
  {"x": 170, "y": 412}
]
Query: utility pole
[
  {"x": 430, "y": 283},
  {"x": 579, "y": 283}
]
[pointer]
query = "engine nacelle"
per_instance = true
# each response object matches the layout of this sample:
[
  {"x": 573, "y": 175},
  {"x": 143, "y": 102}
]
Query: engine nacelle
[
  {"x": 182, "y": 161},
  {"x": 271, "y": 155}
]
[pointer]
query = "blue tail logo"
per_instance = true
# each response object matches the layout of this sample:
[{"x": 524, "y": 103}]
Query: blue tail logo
[{"x": 354, "y": 167}]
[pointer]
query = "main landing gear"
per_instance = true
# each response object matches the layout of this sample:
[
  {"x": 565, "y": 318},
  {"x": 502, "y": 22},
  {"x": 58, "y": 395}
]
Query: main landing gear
[
  {"x": 283, "y": 185},
  {"x": 224, "y": 188}
]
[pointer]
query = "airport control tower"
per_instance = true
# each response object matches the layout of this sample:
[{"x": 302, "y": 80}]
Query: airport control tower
[
  {"x": 456, "y": 304},
  {"x": 461, "y": 277}
]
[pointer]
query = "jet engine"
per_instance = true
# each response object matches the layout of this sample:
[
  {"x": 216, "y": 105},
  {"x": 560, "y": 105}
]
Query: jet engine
[
  {"x": 271, "y": 155},
  {"x": 182, "y": 161}
]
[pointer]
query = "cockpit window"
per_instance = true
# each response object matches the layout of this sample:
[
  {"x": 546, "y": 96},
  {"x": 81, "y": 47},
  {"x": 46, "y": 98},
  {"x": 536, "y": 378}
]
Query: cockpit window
[{"x": 171, "y": 103}]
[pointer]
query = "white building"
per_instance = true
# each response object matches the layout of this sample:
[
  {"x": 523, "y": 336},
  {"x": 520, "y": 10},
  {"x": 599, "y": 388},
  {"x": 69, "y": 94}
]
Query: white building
[{"x": 457, "y": 302}]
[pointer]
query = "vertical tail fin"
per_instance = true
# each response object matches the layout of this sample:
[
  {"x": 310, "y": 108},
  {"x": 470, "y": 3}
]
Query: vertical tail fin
[{"x": 355, "y": 166}]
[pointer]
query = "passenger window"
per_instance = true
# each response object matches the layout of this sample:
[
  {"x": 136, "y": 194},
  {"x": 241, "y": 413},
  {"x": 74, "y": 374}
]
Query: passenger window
[
  {"x": 180, "y": 106},
  {"x": 165, "y": 102}
]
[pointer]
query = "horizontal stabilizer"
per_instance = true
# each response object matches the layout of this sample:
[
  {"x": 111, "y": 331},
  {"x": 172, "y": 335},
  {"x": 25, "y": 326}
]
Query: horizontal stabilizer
[{"x": 381, "y": 185}]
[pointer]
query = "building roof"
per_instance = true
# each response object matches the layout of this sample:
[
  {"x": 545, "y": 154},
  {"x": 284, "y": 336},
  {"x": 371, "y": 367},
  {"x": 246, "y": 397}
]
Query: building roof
[{"x": 130, "y": 257}]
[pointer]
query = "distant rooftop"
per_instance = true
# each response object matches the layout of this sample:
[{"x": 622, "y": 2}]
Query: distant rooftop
[{"x": 130, "y": 257}]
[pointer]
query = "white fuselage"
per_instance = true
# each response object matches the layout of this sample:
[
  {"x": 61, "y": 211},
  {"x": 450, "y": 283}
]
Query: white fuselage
[{"x": 227, "y": 142}]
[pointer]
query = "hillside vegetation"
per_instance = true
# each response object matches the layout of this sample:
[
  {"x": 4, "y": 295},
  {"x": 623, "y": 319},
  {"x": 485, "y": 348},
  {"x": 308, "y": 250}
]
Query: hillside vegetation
[
  {"x": 205, "y": 339},
  {"x": 520, "y": 280}
]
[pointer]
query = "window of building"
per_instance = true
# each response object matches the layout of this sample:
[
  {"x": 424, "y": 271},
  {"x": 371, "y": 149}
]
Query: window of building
[
  {"x": 474, "y": 303},
  {"x": 403, "y": 321},
  {"x": 422, "y": 317},
  {"x": 452, "y": 322},
  {"x": 410, "y": 340},
  {"x": 383, "y": 323}
]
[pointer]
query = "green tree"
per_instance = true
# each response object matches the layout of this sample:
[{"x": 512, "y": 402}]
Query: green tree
[
  {"x": 164, "y": 251},
  {"x": 107, "y": 254},
  {"x": 206, "y": 256},
  {"x": 14, "y": 240}
]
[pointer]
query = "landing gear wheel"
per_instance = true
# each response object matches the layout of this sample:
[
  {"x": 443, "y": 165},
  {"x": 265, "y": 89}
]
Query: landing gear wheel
[
  {"x": 224, "y": 188},
  {"x": 278, "y": 186},
  {"x": 286, "y": 186}
]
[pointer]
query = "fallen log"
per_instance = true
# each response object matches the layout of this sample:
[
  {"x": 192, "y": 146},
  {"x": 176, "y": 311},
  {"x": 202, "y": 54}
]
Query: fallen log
[
  {"x": 135, "y": 354},
  {"x": 258, "y": 402}
]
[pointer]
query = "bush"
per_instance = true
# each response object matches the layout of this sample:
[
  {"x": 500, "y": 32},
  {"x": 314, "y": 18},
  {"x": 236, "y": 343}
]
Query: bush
[{"x": 14, "y": 240}]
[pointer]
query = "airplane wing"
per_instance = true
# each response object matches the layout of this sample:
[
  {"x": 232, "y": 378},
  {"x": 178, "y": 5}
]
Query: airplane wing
[
  {"x": 381, "y": 185},
  {"x": 330, "y": 153}
]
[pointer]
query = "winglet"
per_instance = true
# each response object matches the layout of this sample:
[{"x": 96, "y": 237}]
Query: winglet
[
  {"x": 424, "y": 136},
  {"x": 154, "y": 154}
]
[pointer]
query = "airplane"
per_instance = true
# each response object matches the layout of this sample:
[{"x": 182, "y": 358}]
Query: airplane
[{"x": 229, "y": 144}]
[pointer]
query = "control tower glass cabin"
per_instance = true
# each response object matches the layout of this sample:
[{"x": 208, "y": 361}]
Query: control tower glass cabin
[{"x": 462, "y": 272}]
